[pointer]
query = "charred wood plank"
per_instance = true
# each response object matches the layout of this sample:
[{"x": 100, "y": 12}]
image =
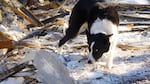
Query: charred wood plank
[
  {"x": 125, "y": 29},
  {"x": 51, "y": 19},
  {"x": 10, "y": 72},
  {"x": 136, "y": 23},
  {"x": 142, "y": 16},
  {"x": 35, "y": 21}
]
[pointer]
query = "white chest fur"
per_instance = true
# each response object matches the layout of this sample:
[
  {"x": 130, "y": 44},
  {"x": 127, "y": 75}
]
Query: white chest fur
[{"x": 103, "y": 26}]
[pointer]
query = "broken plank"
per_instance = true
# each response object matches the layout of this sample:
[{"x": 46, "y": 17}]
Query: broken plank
[
  {"x": 10, "y": 72},
  {"x": 131, "y": 47},
  {"x": 124, "y": 29},
  {"x": 28, "y": 43},
  {"x": 19, "y": 44},
  {"x": 5, "y": 36},
  {"x": 31, "y": 16},
  {"x": 78, "y": 46},
  {"x": 6, "y": 44},
  {"x": 143, "y": 12},
  {"x": 53, "y": 18},
  {"x": 26, "y": 14},
  {"x": 135, "y": 11},
  {"x": 48, "y": 20},
  {"x": 51, "y": 5},
  {"x": 143, "y": 16},
  {"x": 136, "y": 23},
  {"x": 130, "y": 6},
  {"x": 126, "y": 5}
]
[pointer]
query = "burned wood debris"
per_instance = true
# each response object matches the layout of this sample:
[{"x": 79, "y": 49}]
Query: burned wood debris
[{"x": 27, "y": 26}]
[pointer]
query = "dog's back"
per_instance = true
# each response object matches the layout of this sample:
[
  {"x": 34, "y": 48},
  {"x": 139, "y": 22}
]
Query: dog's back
[
  {"x": 84, "y": 7},
  {"x": 79, "y": 16}
]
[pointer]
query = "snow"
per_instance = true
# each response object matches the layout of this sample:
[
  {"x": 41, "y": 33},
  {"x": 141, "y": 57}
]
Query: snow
[
  {"x": 144, "y": 2},
  {"x": 19, "y": 80},
  {"x": 74, "y": 65}
]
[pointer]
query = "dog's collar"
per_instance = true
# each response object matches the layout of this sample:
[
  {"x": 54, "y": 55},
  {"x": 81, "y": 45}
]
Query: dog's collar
[
  {"x": 100, "y": 34},
  {"x": 96, "y": 35}
]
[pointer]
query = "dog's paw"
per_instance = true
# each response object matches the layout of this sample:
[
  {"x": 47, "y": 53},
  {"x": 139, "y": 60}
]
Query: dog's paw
[{"x": 110, "y": 66}]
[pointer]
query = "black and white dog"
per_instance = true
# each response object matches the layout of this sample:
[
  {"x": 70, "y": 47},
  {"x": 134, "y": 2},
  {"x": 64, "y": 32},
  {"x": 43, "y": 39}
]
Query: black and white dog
[{"x": 102, "y": 31}]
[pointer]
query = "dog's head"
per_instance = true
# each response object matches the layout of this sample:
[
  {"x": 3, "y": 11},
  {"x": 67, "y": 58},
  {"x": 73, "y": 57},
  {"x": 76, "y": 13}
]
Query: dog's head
[{"x": 98, "y": 44}]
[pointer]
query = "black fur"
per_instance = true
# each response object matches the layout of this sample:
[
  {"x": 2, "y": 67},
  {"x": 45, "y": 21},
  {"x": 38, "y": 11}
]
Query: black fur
[
  {"x": 102, "y": 12},
  {"x": 101, "y": 44}
]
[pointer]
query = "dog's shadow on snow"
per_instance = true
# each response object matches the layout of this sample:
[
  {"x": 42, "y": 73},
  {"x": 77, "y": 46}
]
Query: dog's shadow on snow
[
  {"x": 142, "y": 72},
  {"x": 132, "y": 59},
  {"x": 137, "y": 75}
]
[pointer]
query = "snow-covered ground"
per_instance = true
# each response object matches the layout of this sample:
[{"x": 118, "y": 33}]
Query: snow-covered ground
[
  {"x": 130, "y": 66},
  {"x": 131, "y": 1}
]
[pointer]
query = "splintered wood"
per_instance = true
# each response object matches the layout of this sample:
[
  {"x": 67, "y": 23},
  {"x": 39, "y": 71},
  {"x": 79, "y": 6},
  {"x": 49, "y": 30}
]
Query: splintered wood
[
  {"x": 23, "y": 12},
  {"x": 50, "y": 5},
  {"x": 142, "y": 16},
  {"x": 6, "y": 44},
  {"x": 20, "y": 44},
  {"x": 8, "y": 73},
  {"x": 6, "y": 41},
  {"x": 26, "y": 14},
  {"x": 131, "y": 47}
]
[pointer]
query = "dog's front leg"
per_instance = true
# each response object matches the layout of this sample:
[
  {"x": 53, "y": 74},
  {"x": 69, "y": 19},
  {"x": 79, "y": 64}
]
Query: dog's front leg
[{"x": 113, "y": 44}]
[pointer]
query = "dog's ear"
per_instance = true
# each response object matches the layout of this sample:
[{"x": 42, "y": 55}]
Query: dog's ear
[
  {"x": 101, "y": 5},
  {"x": 109, "y": 35}
]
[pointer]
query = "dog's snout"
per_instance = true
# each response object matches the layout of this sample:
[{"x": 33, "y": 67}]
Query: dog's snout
[{"x": 90, "y": 62}]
